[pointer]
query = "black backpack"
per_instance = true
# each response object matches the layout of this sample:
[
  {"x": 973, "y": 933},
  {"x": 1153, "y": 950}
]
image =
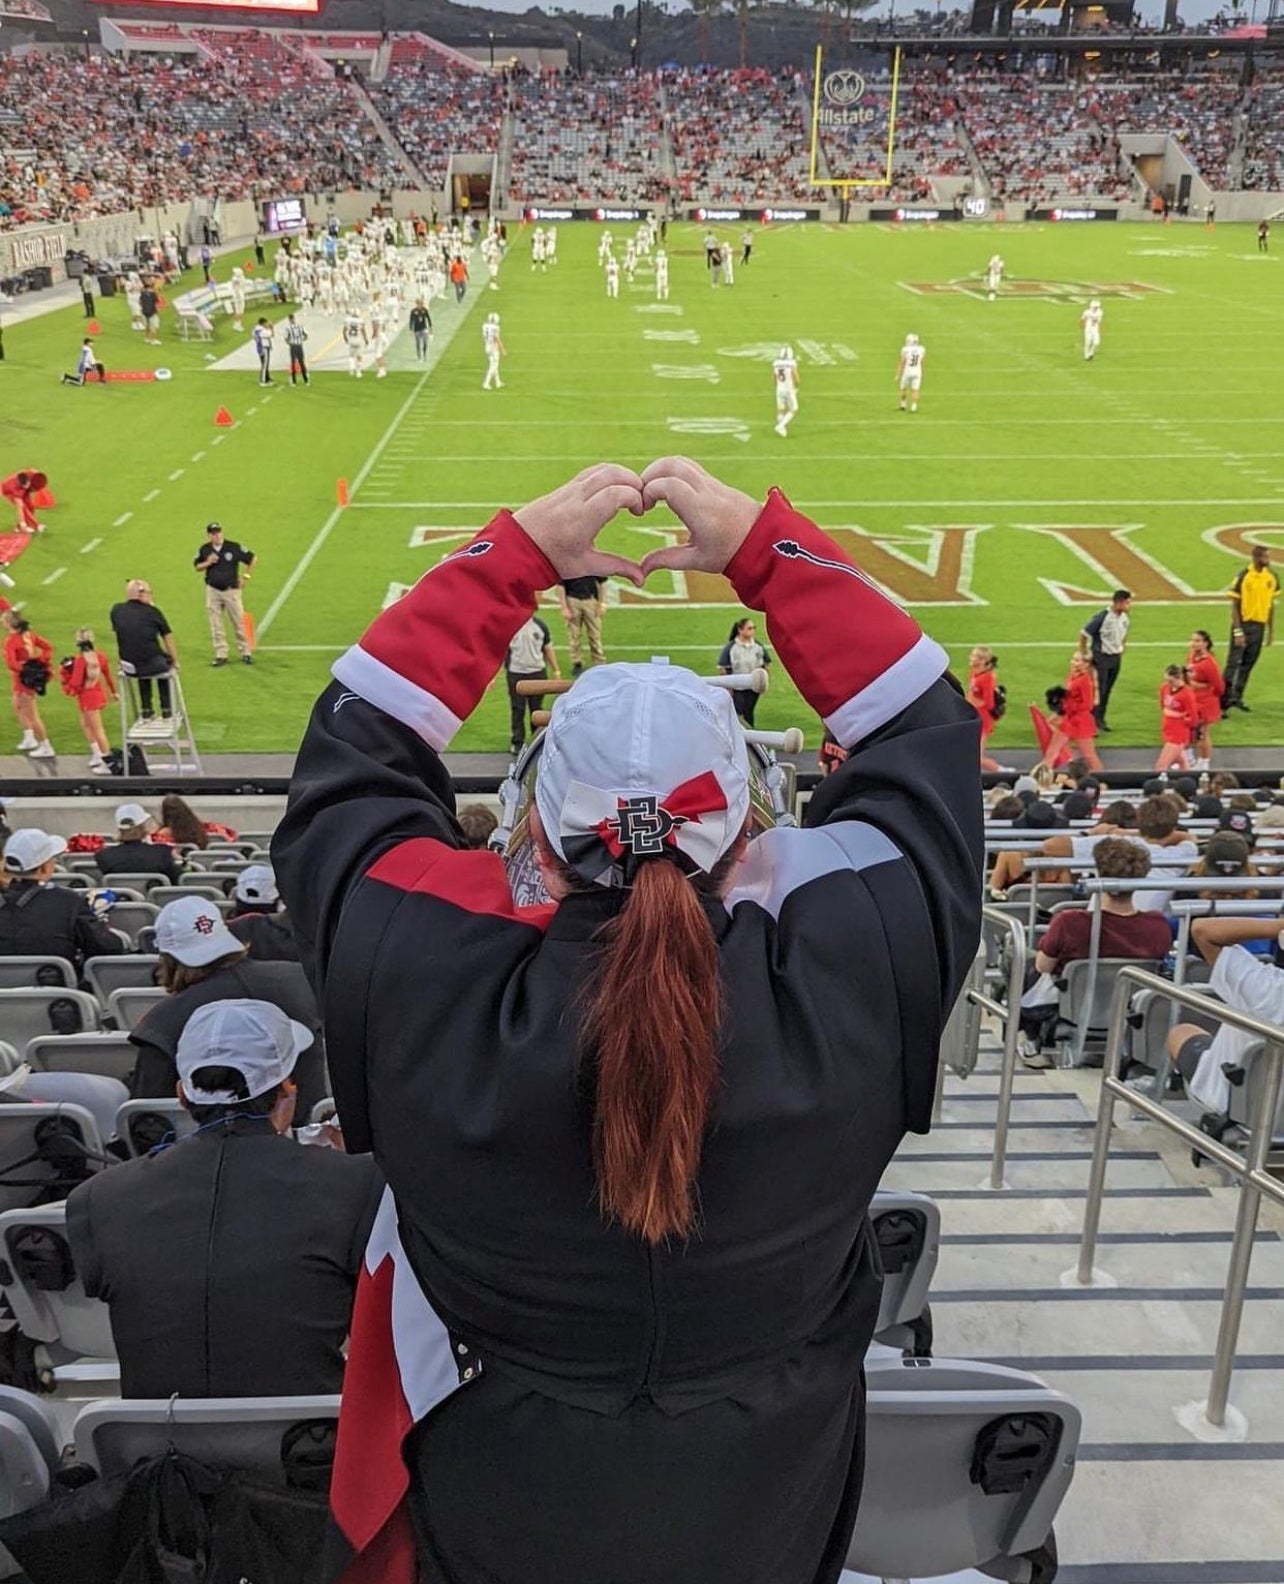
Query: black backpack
[{"x": 1000, "y": 706}]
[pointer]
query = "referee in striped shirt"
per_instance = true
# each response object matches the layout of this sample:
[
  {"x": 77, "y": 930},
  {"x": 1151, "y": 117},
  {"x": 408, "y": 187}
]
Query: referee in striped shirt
[{"x": 295, "y": 336}]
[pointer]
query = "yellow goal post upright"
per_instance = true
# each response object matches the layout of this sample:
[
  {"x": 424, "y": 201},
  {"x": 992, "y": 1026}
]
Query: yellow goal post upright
[{"x": 843, "y": 102}]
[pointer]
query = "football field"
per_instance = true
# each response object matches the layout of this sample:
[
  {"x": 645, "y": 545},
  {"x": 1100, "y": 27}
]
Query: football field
[{"x": 1028, "y": 486}]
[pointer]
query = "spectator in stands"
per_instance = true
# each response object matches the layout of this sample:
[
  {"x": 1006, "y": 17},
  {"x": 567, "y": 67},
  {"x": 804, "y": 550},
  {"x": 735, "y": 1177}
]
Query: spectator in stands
[
  {"x": 132, "y": 853},
  {"x": 1125, "y": 932},
  {"x": 1226, "y": 856},
  {"x": 40, "y": 919},
  {"x": 551, "y": 1100},
  {"x": 202, "y": 961},
  {"x": 1244, "y": 982},
  {"x": 261, "y": 923},
  {"x": 477, "y": 823},
  {"x": 184, "y": 827},
  {"x": 1172, "y": 852},
  {"x": 229, "y": 1260},
  {"x": 145, "y": 645}
]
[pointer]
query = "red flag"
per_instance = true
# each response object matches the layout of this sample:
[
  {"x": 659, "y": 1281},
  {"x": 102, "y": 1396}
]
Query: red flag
[{"x": 1043, "y": 735}]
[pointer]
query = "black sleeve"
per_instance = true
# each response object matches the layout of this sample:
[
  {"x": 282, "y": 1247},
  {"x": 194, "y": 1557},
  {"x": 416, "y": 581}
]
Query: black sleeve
[
  {"x": 163, "y": 628},
  {"x": 94, "y": 938},
  {"x": 155, "y": 1073},
  {"x": 80, "y": 1236}
]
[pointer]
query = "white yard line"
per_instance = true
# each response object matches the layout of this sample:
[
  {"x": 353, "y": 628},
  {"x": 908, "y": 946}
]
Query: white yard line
[
  {"x": 331, "y": 522},
  {"x": 53, "y": 576},
  {"x": 197, "y": 455},
  {"x": 150, "y": 496},
  {"x": 218, "y": 439},
  {"x": 122, "y": 519},
  {"x": 176, "y": 475},
  {"x": 92, "y": 545}
]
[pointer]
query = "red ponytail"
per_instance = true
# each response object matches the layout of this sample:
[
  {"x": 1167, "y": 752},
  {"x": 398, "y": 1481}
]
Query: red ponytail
[{"x": 652, "y": 1021}]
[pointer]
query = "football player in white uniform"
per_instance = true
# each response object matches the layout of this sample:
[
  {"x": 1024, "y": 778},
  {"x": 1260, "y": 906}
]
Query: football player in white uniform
[
  {"x": 550, "y": 245},
  {"x": 661, "y": 275},
  {"x": 993, "y": 277},
  {"x": 604, "y": 247},
  {"x": 909, "y": 371},
  {"x": 1090, "y": 319},
  {"x": 784, "y": 372},
  {"x": 494, "y": 349},
  {"x": 537, "y": 249},
  {"x": 354, "y": 336},
  {"x": 612, "y": 278}
]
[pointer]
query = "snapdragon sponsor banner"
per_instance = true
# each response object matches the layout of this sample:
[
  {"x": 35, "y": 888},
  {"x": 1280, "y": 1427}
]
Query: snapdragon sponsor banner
[
  {"x": 608, "y": 214},
  {"x": 904, "y": 214},
  {"x": 780, "y": 214},
  {"x": 853, "y": 118},
  {"x": 1069, "y": 214}
]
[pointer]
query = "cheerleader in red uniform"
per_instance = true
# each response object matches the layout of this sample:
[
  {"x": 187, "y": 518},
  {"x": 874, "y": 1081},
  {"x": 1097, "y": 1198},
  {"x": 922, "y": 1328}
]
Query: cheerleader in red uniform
[
  {"x": 1206, "y": 683},
  {"x": 21, "y": 490},
  {"x": 89, "y": 681},
  {"x": 1077, "y": 726},
  {"x": 25, "y": 652},
  {"x": 1180, "y": 719},
  {"x": 982, "y": 691}
]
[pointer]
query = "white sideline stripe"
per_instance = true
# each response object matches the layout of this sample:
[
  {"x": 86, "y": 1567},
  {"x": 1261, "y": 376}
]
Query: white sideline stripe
[
  {"x": 92, "y": 545},
  {"x": 53, "y": 576},
  {"x": 327, "y": 528},
  {"x": 122, "y": 519},
  {"x": 953, "y": 503},
  {"x": 150, "y": 496}
]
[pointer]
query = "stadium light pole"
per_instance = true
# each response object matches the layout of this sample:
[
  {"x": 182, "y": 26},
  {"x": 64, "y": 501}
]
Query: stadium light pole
[
  {"x": 633, "y": 52},
  {"x": 491, "y": 36},
  {"x": 579, "y": 53}
]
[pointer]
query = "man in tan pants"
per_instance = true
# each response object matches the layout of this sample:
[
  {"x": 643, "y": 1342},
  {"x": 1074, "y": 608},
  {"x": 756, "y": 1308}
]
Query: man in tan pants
[
  {"x": 582, "y": 606},
  {"x": 221, "y": 561}
]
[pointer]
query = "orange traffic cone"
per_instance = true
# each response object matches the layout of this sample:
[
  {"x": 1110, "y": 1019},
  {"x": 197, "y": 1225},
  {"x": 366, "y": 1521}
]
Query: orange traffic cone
[
  {"x": 94, "y": 328},
  {"x": 223, "y": 419},
  {"x": 341, "y": 492},
  {"x": 43, "y": 499}
]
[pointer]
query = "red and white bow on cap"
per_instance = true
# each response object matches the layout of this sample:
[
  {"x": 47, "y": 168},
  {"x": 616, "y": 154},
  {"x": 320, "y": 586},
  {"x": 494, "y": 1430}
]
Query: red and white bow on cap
[{"x": 601, "y": 830}]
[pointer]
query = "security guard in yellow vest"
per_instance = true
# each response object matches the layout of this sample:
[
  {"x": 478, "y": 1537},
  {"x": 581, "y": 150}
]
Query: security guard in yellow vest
[{"x": 1253, "y": 595}]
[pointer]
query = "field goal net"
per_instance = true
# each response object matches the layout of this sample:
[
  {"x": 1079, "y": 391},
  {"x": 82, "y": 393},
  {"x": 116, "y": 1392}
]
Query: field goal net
[{"x": 853, "y": 117}]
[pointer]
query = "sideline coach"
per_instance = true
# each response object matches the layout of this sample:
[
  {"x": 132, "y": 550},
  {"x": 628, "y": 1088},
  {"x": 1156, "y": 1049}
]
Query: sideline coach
[{"x": 221, "y": 561}]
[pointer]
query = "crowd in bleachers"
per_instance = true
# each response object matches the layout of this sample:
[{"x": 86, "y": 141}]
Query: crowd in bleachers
[
  {"x": 1264, "y": 151},
  {"x": 436, "y": 110},
  {"x": 739, "y": 136},
  {"x": 582, "y": 140}
]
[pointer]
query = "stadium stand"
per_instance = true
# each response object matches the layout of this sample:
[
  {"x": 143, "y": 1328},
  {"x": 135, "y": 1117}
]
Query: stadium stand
[
  {"x": 738, "y": 136},
  {"x": 436, "y": 110},
  {"x": 594, "y": 139}
]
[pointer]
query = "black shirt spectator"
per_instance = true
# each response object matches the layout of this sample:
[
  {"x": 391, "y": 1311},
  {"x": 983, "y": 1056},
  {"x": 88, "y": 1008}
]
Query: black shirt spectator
[
  {"x": 222, "y": 560},
  {"x": 133, "y": 853},
  {"x": 264, "y": 927},
  {"x": 254, "y": 1241},
  {"x": 141, "y": 630},
  {"x": 588, "y": 588},
  {"x": 42, "y": 920}
]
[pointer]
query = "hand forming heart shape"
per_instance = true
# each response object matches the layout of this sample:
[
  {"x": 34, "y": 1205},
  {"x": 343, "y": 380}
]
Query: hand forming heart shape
[{"x": 565, "y": 523}]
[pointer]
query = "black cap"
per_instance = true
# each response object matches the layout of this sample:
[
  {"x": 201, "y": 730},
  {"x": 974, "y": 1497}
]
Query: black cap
[
  {"x": 1238, "y": 820},
  {"x": 214, "y": 527}
]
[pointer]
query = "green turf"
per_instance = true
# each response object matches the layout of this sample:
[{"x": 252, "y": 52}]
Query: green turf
[{"x": 1173, "y": 430}]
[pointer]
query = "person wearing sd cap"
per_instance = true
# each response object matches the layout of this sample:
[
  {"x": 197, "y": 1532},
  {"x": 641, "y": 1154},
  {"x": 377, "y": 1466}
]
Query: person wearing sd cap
[
  {"x": 261, "y": 923},
  {"x": 221, "y": 560},
  {"x": 631, "y": 1134},
  {"x": 202, "y": 961},
  {"x": 132, "y": 853},
  {"x": 40, "y": 919},
  {"x": 242, "y": 1284},
  {"x": 145, "y": 644}
]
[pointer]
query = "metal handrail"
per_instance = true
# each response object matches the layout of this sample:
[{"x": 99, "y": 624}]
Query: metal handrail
[
  {"x": 1250, "y": 1168},
  {"x": 1010, "y": 1017}
]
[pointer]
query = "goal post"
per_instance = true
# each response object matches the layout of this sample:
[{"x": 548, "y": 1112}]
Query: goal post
[{"x": 853, "y": 119}]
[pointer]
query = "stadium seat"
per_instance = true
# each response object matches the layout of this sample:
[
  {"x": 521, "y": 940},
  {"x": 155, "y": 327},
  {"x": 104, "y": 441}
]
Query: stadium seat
[
  {"x": 127, "y": 1006},
  {"x": 204, "y": 882},
  {"x": 1075, "y": 1008},
  {"x": 9, "y": 1058},
  {"x": 966, "y": 1465},
  {"x": 143, "y": 1124},
  {"x": 40, "y": 1282},
  {"x": 72, "y": 879},
  {"x": 907, "y": 1229},
  {"x": 100, "y": 1095},
  {"x": 39, "y": 1417},
  {"x": 27, "y": 1014},
  {"x": 107, "y": 1052},
  {"x": 24, "y": 1476},
  {"x": 44, "y": 1149},
  {"x": 141, "y": 884},
  {"x": 130, "y": 917},
  {"x": 227, "y": 1432},
  {"x": 20, "y": 973},
  {"x": 107, "y": 974},
  {"x": 959, "y": 1036},
  {"x": 210, "y": 893}
]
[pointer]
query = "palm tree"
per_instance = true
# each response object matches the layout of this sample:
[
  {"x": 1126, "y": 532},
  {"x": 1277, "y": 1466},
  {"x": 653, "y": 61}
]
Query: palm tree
[{"x": 705, "y": 9}]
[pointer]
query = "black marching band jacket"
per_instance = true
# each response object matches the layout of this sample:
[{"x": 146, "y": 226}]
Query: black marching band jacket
[{"x": 532, "y": 1394}]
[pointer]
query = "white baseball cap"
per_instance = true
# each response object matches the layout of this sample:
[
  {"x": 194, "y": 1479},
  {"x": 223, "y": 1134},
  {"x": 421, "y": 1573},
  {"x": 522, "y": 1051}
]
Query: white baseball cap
[
  {"x": 192, "y": 931},
  {"x": 257, "y": 883},
  {"x": 131, "y": 815},
  {"x": 254, "y": 1038},
  {"x": 640, "y": 760},
  {"x": 28, "y": 849}
]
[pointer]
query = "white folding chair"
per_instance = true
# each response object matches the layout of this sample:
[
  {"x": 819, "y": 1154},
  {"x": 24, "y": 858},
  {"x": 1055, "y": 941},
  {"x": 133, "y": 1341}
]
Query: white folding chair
[
  {"x": 109, "y": 1053},
  {"x": 966, "y": 1465},
  {"x": 226, "y": 1432},
  {"x": 60, "y": 1314},
  {"x": 128, "y": 1007},
  {"x": 27, "y": 1014},
  {"x": 23, "y": 973},
  {"x": 135, "y": 971}
]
